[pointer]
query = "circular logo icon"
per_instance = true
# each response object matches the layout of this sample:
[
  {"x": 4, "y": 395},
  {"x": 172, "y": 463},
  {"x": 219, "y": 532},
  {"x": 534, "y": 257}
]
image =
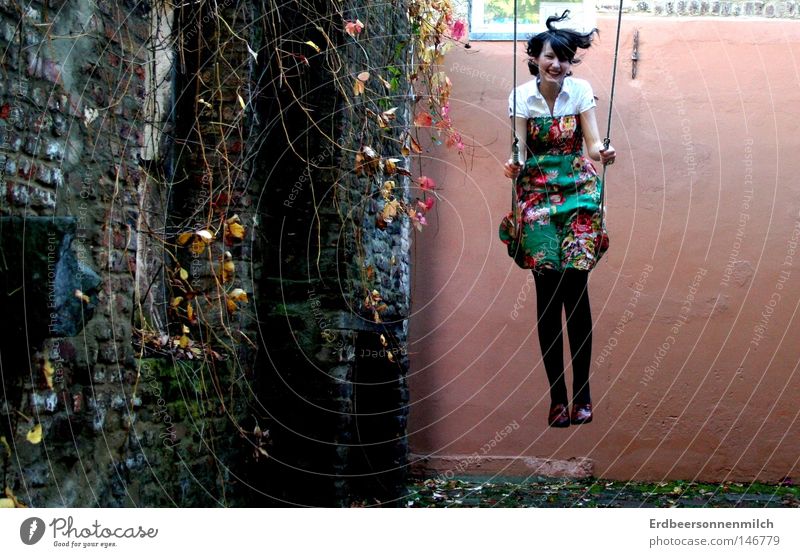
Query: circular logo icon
[{"x": 32, "y": 530}]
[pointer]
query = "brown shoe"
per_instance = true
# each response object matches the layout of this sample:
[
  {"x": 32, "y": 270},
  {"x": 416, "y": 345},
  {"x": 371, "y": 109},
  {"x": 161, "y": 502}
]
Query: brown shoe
[
  {"x": 581, "y": 413},
  {"x": 559, "y": 416}
]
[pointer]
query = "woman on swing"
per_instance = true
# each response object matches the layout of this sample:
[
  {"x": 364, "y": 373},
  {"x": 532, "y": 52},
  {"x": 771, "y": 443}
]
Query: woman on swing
[{"x": 561, "y": 230}]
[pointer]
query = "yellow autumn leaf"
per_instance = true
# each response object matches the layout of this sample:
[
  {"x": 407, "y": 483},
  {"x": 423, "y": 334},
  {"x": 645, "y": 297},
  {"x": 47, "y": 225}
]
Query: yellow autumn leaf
[
  {"x": 9, "y": 495},
  {"x": 231, "y": 305},
  {"x": 228, "y": 269},
  {"x": 390, "y": 356},
  {"x": 5, "y": 445},
  {"x": 236, "y": 230},
  {"x": 183, "y": 342},
  {"x": 358, "y": 87},
  {"x": 197, "y": 247},
  {"x": 312, "y": 45},
  {"x": 241, "y": 101},
  {"x": 7, "y": 504},
  {"x": 48, "y": 373},
  {"x": 176, "y": 301},
  {"x": 383, "y": 340},
  {"x": 206, "y": 235},
  {"x": 184, "y": 274},
  {"x": 34, "y": 436},
  {"x": 190, "y": 311},
  {"x": 238, "y": 295},
  {"x": 81, "y": 296},
  {"x": 183, "y": 238}
]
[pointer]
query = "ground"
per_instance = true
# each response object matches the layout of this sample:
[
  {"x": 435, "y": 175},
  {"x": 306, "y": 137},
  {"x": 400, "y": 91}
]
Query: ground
[{"x": 595, "y": 492}]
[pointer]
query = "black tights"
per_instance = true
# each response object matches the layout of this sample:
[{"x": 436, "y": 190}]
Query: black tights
[{"x": 555, "y": 290}]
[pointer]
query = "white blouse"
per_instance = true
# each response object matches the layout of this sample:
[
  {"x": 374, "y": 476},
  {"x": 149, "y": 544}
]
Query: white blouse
[{"x": 576, "y": 96}]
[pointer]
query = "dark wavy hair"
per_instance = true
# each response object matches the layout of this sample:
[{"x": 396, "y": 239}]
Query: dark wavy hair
[{"x": 564, "y": 42}]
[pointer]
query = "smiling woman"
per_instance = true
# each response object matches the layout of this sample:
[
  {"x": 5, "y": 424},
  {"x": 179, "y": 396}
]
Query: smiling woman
[{"x": 556, "y": 227}]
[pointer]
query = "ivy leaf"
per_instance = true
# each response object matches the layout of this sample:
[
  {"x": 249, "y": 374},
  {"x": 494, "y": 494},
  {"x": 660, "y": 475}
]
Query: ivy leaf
[
  {"x": 197, "y": 247},
  {"x": 34, "y": 436},
  {"x": 48, "y": 374},
  {"x": 206, "y": 235},
  {"x": 183, "y": 238},
  {"x": 228, "y": 269},
  {"x": 353, "y": 28},
  {"x": 423, "y": 120},
  {"x": 9, "y": 496},
  {"x": 312, "y": 45},
  {"x": 184, "y": 274},
  {"x": 236, "y": 230},
  {"x": 238, "y": 295},
  {"x": 426, "y": 183},
  {"x": 4, "y": 443}
]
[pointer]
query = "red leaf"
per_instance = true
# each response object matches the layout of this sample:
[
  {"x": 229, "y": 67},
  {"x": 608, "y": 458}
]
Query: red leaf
[
  {"x": 426, "y": 183},
  {"x": 423, "y": 120}
]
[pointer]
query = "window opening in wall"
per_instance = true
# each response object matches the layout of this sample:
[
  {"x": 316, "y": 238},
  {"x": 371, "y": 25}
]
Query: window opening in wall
[{"x": 493, "y": 20}]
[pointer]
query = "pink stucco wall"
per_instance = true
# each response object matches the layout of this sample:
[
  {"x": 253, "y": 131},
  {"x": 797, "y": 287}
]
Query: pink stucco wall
[{"x": 702, "y": 380}]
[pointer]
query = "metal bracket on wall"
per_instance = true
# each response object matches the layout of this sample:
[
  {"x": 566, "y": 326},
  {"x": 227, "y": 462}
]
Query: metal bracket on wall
[{"x": 635, "y": 54}]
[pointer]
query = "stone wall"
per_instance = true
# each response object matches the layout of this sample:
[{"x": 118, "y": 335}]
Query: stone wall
[
  {"x": 132, "y": 145},
  {"x": 336, "y": 402},
  {"x": 120, "y": 426}
]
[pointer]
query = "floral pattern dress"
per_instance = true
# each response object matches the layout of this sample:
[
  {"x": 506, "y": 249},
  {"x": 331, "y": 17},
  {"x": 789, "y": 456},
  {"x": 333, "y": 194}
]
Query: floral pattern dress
[{"x": 558, "y": 195}]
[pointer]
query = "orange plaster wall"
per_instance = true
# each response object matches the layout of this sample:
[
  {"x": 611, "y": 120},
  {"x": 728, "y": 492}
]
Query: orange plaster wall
[{"x": 707, "y": 181}]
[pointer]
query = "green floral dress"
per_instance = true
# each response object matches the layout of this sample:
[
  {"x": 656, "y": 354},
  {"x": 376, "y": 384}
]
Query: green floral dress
[{"x": 558, "y": 195}]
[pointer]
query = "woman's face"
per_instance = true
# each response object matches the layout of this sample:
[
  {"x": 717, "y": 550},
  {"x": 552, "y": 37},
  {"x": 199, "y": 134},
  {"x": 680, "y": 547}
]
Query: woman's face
[{"x": 550, "y": 67}]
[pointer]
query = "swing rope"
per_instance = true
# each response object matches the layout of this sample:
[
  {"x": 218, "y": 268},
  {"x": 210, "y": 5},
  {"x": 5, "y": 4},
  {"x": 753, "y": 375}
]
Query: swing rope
[
  {"x": 606, "y": 141},
  {"x": 515, "y": 144}
]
